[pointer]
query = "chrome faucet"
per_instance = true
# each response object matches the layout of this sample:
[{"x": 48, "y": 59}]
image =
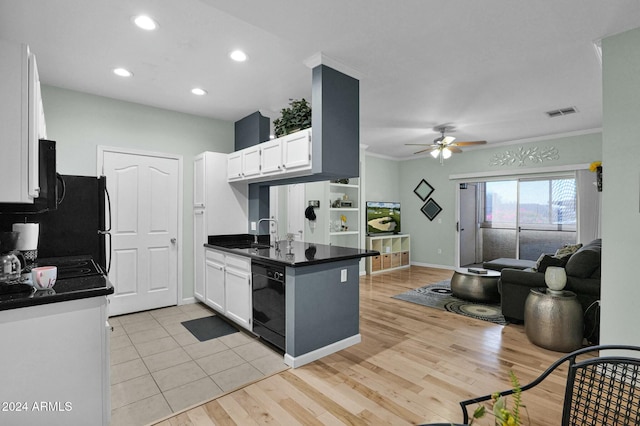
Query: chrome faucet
[{"x": 255, "y": 238}]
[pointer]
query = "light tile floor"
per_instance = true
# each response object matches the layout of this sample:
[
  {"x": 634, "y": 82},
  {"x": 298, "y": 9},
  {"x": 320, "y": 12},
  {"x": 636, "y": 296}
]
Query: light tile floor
[{"x": 159, "y": 367}]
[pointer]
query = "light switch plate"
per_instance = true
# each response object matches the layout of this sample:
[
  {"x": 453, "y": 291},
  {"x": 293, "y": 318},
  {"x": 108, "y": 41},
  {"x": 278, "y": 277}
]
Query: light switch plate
[
  {"x": 343, "y": 275},
  {"x": 254, "y": 226}
]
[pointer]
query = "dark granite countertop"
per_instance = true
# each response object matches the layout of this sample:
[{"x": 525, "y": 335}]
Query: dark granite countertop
[
  {"x": 298, "y": 254},
  {"x": 63, "y": 290}
]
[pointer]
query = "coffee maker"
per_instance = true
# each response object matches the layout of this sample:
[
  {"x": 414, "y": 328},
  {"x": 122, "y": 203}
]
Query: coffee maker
[
  {"x": 27, "y": 242},
  {"x": 11, "y": 261}
]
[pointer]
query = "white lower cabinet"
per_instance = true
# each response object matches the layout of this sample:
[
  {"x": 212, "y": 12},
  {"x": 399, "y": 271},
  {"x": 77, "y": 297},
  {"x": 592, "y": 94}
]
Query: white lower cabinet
[
  {"x": 55, "y": 364},
  {"x": 214, "y": 280},
  {"x": 228, "y": 286}
]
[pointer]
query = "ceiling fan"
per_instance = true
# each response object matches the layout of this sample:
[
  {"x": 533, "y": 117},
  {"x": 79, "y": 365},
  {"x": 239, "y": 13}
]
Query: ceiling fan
[{"x": 443, "y": 146}]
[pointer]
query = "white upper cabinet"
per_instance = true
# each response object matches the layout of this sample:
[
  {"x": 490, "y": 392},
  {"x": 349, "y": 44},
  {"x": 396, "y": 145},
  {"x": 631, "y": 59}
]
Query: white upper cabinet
[
  {"x": 22, "y": 123},
  {"x": 271, "y": 157},
  {"x": 199, "y": 181},
  {"x": 234, "y": 166},
  {"x": 287, "y": 156},
  {"x": 296, "y": 151},
  {"x": 251, "y": 161}
]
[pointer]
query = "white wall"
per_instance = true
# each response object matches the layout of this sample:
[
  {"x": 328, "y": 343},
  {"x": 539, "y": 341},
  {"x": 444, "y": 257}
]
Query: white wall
[
  {"x": 79, "y": 122},
  {"x": 621, "y": 188}
]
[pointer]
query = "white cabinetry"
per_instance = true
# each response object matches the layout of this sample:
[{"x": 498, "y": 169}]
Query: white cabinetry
[
  {"x": 296, "y": 151},
  {"x": 287, "y": 156},
  {"x": 214, "y": 279},
  {"x": 271, "y": 157},
  {"x": 22, "y": 123},
  {"x": 57, "y": 353},
  {"x": 199, "y": 240},
  {"x": 251, "y": 162},
  {"x": 234, "y": 166},
  {"x": 394, "y": 252},
  {"x": 237, "y": 281},
  {"x": 218, "y": 208},
  {"x": 228, "y": 286}
]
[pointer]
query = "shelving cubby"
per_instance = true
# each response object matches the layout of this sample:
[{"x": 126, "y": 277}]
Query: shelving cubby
[{"x": 394, "y": 252}]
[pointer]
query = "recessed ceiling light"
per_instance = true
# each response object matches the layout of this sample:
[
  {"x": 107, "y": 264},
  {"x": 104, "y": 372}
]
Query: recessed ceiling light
[
  {"x": 122, "y": 72},
  {"x": 145, "y": 22},
  {"x": 238, "y": 56},
  {"x": 198, "y": 91}
]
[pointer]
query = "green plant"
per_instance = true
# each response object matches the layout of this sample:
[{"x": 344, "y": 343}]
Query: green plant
[
  {"x": 296, "y": 117},
  {"x": 503, "y": 415}
]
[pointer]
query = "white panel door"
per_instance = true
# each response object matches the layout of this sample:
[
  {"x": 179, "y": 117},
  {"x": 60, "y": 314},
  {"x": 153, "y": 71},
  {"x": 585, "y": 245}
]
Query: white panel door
[{"x": 144, "y": 205}]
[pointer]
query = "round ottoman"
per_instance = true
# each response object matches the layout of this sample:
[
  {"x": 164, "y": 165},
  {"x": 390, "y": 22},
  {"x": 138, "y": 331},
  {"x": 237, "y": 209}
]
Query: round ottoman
[
  {"x": 476, "y": 287},
  {"x": 553, "y": 321}
]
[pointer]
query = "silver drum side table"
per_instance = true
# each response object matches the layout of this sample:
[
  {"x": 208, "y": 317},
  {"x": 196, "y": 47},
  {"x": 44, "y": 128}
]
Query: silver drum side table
[
  {"x": 476, "y": 287},
  {"x": 553, "y": 321}
]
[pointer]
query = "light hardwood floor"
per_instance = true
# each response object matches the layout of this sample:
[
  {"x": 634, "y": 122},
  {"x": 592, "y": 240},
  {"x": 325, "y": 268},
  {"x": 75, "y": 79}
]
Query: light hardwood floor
[{"x": 413, "y": 366}]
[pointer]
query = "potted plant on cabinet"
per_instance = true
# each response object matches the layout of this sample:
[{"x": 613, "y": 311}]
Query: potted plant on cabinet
[{"x": 296, "y": 117}]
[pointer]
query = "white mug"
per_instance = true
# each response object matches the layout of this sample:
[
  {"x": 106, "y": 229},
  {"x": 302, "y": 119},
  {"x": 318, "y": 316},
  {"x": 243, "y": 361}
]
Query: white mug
[{"x": 44, "y": 276}]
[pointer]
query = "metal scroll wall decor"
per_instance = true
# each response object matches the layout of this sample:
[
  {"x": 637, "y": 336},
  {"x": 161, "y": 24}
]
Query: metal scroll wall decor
[
  {"x": 522, "y": 154},
  {"x": 430, "y": 207}
]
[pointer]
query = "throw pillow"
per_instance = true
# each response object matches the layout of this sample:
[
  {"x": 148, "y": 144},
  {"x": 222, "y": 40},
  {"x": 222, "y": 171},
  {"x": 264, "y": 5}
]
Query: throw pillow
[
  {"x": 548, "y": 260},
  {"x": 584, "y": 263},
  {"x": 567, "y": 250},
  {"x": 535, "y": 268}
]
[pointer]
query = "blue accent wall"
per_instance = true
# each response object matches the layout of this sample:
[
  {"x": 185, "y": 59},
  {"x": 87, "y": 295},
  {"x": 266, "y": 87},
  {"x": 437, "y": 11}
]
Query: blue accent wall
[
  {"x": 335, "y": 120},
  {"x": 320, "y": 309},
  {"x": 251, "y": 130}
]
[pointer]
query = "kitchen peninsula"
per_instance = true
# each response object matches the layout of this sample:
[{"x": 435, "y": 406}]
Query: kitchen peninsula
[{"x": 321, "y": 301}]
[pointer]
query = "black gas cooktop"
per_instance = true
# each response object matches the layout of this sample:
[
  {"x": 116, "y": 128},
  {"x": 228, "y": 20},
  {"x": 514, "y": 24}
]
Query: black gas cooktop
[{"x": 72, "y": 266}]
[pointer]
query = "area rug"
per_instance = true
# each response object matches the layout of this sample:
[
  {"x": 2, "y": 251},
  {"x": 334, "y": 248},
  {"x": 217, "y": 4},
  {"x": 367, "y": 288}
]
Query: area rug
[
  {"x": 208, "y": 328},
  {"x": 439, "y": 296}
]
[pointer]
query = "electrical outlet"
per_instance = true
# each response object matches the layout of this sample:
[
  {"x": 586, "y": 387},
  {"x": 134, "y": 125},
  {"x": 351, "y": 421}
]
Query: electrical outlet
[
  {"x": 254, "y": 226},
  {"x": 439, "y": 251},
  {"x": 343, "y": 275},
  {"x": 439, "y": 220}
]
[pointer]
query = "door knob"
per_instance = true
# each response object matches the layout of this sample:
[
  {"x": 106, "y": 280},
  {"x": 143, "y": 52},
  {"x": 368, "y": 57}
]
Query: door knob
[{"x": 173, "y": 241}]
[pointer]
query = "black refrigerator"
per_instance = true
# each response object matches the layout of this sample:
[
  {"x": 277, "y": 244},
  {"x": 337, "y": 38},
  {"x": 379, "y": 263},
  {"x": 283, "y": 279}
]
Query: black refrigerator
[{"x": 79, "y": 225}]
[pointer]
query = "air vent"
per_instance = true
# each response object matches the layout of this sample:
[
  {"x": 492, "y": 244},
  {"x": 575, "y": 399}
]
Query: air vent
[{"x": 561, "y": 112}]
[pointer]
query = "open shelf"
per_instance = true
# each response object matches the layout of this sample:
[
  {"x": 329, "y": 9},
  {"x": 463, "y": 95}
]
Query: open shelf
[{"x": 394, "y": 252}]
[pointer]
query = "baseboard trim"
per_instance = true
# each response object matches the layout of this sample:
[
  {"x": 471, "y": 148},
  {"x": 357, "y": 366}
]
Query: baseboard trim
[
  {"x": 432, "y": 265},
  {"x": 299, "y": 361},
  {"x": 187, "y": 301}
]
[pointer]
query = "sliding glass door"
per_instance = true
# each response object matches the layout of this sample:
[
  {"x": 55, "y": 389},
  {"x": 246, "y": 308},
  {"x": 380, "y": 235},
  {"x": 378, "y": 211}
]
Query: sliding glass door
[
  {"x": 546, "y": 216},
  {"x": 524, "y": 218}
]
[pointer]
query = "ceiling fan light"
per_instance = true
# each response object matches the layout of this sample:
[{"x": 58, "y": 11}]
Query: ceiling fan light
[
  {"x": 446, "y": 153},
  {"x": 435, "y": 153}
]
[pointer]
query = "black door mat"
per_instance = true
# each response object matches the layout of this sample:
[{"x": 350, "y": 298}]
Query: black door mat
[{"x": 208, "y": 328}]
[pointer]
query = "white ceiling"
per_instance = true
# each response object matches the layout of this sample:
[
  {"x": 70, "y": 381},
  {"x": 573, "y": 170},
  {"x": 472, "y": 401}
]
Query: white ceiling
[{"x": 491, "y": 68}]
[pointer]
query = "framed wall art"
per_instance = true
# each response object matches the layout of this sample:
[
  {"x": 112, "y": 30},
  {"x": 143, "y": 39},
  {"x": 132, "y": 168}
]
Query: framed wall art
[
  {"x": 431, "y": 209},
  {"x": 423, "y": 190}
]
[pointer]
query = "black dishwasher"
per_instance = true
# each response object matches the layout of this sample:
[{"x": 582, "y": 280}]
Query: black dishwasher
[{"x": 268, "y": 296}]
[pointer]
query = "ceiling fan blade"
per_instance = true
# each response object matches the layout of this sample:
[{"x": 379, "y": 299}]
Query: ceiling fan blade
[
  {"x": 421, "y": 144},
  {"x": 454, "y": 149},
  {"x": 447, "y": 140},
  {"x": 467, "y": 143},
  {"x": 431, "y": 148}
]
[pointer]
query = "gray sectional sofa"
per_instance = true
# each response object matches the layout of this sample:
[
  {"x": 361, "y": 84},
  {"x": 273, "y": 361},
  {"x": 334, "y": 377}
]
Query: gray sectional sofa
[{"x": 583, "y": 278}]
